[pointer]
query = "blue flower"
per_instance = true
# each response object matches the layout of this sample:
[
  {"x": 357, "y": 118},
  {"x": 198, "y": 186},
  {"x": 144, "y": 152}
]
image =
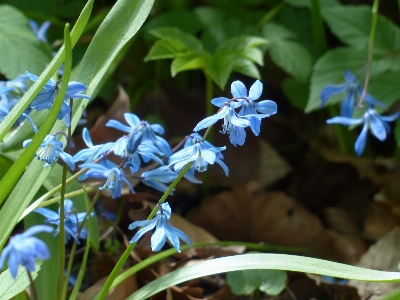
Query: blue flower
[
  {"x": 372, "y": 120},
  {"x": 41, "y": 31},
  {"x": 45, "y": 98},
  {"x": 92, "y": 152},
  {"x": 134, "y": 152},
  {"x": 200, "y": 154},
  {"x": 158, "y": 177},
  {"x": 113, "y": 174},
  {"x": 71, "y": 220},
  {"x": 146, "y": 133},
  {"x": 162, "y": 232},
  {"x": 23, "y": 249},
  {"x": 352, "y": 89},
  {"x": 250, "y": 114},
  {"x": 50, "y": 150}
]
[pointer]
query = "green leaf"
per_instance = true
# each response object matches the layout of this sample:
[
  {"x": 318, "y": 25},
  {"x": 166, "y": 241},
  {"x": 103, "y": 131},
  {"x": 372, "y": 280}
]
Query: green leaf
[
  {"x": 219, "y": 67},
  {"x": 184, "y": 19},
  {"x": 93, "y": 226},
  {"x": 290, "y": 55},
  {"x": 397, "y": 133},
  {"x": 246, "y": 67},
  {"x": 5, "y": 164},
  {"x": 20, "y": 49},
  {"x": 245, "y": 282},
  {"x": 262, "y": 262},
  {"x": 241, "y": 43},
  {"x": 184, "y": 63},
  {"x": 167, "y": 48},
  {"x": 189, "y": 40},
  {"x": 385, "y": 87},
  {"x": 329, "y": 69},
  {"x": 392, "y": 295},
  {"x": 297, "y": 92},
  {"x": 9, "y": 287},
  {"x": 352, "y": 24}
]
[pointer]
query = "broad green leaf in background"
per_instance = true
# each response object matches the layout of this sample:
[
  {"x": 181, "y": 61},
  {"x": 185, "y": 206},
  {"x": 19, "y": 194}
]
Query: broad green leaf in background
[
  {"x": 167, "y": 48},
  {"x": 352, "y": 24},
  {"x": 20, "y": 49},
  {"x": 296, "y": 92},
  {"x": 286, "y": 52},
  {"x": 385, "y": 87},
  {"x": 185, "y": 19},
  {"x": 187, "y": 62},
  {"x": 260, "y": 262},
  {"x": 9, "y": 287},
  {"x": 189, "y": 40},
  {"x": 245, "y": 282},
  {"x": 329, "y": 69}
]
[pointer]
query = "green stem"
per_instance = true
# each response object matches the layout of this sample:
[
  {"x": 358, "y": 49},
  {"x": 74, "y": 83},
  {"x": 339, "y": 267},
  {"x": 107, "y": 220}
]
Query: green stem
[
  {"x": 271, "y": 14},
  {"x": 318, "y": 28},
  {"x": 68, "y": 273},
  {"x": 375, "y": 14},
  {"x": 125, "y": 255}
]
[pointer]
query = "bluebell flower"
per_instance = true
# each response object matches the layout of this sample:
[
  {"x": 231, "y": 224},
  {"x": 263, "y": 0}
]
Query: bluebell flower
[
  {"x": 45, "y": 98},
  {"x": 233, "y": 124},
  {"x": 200, "y": 154},
  {"x": 134, "y": 152},
  {"x": 162, "y": 232},
  {"x": 146, "y": 133},
  {"x": 352, "y": 91},
  {"x": 71, "y": 220},
  {"x": 250, "y": 114},
  {"x": 93, "y": 152},
  {"x": 158, "y": 178},
  {"x": 50, "y": 150},
  {"x": 18, "y": 84},
  {"x": 24, "y": 248},
  {"x": 377, "y": 124},
  {"x": 41, "y": 31},
  {"x": 113, "y": 174}
]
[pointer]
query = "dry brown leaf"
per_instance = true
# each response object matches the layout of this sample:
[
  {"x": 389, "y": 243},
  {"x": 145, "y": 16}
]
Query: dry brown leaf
[
  {"x": 379, "y": 220},
  {"x": 243, "y": 214},
  {"x": 120, "y": 292},
  {"x": 384, "y": 255}
]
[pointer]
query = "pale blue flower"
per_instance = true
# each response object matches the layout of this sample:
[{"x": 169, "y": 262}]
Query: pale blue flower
[
  {"x": 377, "y": 124},
  {"x": 24, "y": 248},
  {"x": 113, "y": 174},
  {"x": 50, "y": 150},
  {"x": 93, "y": 152},
  {"x": 41, "y": 31},
  {"x": 162, "y": 232},
  {"x": 71, "y": 220},
  {"x": 158, "y": 178},
  {"x": 200, "y": 154},
  {"x": 146, "y": 133},
  {"x": 45, "y": 98},
  {"x": 250, "y": 114},
  {"x": 352, "y": 91}
]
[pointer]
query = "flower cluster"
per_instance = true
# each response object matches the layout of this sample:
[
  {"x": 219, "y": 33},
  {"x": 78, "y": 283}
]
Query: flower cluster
[
  {"x": 372, "y": 120},
  {"x": 250, "y": 114}
]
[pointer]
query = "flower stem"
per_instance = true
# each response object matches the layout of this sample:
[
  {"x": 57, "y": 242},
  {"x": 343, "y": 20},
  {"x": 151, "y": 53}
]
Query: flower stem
[
  {"x": 68, "y": 273},
  {"x": 33, "y": 287},
  {"x": 375, "y": 9},
  {"x": 125, "y": 255}
]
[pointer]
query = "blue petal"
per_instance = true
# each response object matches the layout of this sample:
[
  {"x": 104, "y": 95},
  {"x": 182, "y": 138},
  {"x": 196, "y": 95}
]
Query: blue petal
[
  {"x": 35, "y": 230},
  {"x": 67, "y": 158},
  {"x": 391, "y": 118},
  {"x": 47, "y": 213},
  {"x": 150, "y": 225},
  {"x": 159, "y": 236},
  {"x": 238, "y": 89},
  {"x": 207, "y": 122},
  {"x": 68, "y": 205},
  {"x": 157, "y": 128},
  {"x": 347, "y": 105},
  {"x": 13, "y": 262},
  {"x": 237, "y": 136},
  {"x": 219, "y": 101},
  {"x": 86, "y": 137},
  {"x": 350, "y": 77},
  {"x": 223, "y": 166},
  {"x": 256, "y": 90},
  {"x": 267, "y": 107},
  {"x": 344, "y": 121},
  {"x": 118, "y": 125},
  {"x": 132, "y": 120},
  {"x": 372, "y": 101},
  {"x": 361, "y": 140},
  {"x": 377, "y": 127},
  {"x": 331, "y": 90},
  {"x": 74, "y": 87}
]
